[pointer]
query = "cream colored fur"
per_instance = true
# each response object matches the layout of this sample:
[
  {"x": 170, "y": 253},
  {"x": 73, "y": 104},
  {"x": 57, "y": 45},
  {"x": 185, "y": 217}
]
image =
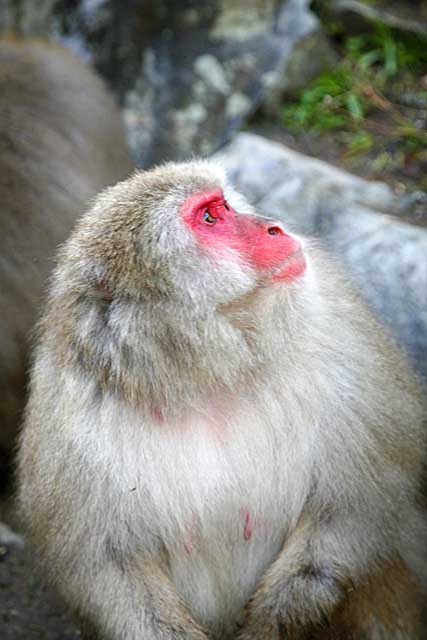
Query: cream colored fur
[{"x": 175, "y": 441}]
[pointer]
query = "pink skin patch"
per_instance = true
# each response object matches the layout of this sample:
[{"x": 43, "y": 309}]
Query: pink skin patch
[
  {"x": 188, "y": 546},
  {"x": 247, "y": 530},
  {"x": 189, "y": 538},
  {"x": 211, "y": 420},
  {"x": 250, "y": 524},
  {"x": 257, "y": 241},
  {"x": 293, "y": 267},
  {"x": 157, "y": 416}
]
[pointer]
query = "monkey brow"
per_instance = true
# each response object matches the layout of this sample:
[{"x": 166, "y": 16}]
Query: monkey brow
[{"x": 202, "y": 199}]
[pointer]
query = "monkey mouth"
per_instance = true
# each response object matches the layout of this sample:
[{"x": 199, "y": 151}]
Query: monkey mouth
[{"x": 293, "y": 266}]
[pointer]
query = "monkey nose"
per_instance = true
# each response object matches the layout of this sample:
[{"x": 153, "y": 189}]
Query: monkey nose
[{"x": 271, "y": 226}]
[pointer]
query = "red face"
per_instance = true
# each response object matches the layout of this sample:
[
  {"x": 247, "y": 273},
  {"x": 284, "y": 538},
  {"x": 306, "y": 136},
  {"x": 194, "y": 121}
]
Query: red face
[{"x": 259, "y": 241}]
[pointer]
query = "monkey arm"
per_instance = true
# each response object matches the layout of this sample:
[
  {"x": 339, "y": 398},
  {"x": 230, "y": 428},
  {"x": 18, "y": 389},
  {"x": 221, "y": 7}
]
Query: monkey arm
[
  {"x": 118, "y": 593},
  {"x": 134, "y": 600},
  {"x": 318, "y": 568},
  {"x": 95, "y": 554}
]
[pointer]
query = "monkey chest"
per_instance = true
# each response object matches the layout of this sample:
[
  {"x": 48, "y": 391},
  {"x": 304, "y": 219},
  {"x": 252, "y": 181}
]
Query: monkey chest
[
  {"x": 216, "y": 571},
  {"x": 217, "y": 561},
  {"x": 221, "y": 510}
]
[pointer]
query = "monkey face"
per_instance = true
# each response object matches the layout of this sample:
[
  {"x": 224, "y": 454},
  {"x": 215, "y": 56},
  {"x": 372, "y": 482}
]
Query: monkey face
[
  {"x": 251, "y": 240},
  {"x": 180, "y": 235}
]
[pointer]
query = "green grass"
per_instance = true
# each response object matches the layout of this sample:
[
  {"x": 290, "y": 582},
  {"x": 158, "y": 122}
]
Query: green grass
[{"x": 343, "y": 99}]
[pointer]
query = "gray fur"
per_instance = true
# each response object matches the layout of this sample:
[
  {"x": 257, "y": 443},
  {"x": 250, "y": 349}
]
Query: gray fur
[{"x": 61, "y": 142}]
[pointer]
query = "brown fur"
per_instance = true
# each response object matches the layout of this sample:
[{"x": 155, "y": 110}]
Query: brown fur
[
  {"x": 388, "y": 604},
  {"x": 389, "y": 599},
  {"x": 61, "y": 141}
]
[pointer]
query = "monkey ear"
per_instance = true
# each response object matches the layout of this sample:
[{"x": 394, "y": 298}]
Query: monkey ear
[
  {"x": 100, "y": 288},
  {"x": 103, "y": 290}
]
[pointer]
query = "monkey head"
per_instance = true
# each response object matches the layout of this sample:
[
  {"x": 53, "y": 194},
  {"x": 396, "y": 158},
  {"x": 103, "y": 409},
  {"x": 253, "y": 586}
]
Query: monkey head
[
  {"x": 187, "y": 234},
  {"x": 151, "y": 264}
]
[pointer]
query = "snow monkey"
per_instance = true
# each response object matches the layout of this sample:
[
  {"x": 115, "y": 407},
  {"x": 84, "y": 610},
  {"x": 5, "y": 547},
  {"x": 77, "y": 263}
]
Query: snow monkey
[
  {"x": 61, "y": 141},
  {"x": 220, "y": 441}
]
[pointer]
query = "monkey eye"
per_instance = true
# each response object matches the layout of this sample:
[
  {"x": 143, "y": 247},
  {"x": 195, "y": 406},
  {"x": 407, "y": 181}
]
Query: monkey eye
[{"x": 208, "y": 218}]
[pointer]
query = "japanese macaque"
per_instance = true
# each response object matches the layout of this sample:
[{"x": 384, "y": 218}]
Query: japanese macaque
[
  {"x": 61, "y": 142},
  {"x": 220, "y": 441}
]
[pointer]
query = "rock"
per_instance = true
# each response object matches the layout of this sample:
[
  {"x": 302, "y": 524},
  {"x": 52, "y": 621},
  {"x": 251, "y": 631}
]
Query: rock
[
  {"x": 9, "y": 538},
  {"x": 389, "y": 260},
  {"x": 405, "y": 16},
  {"x": 386, "y": 257},
  {"x": 186, "y": 73},
  {"x": 312, "y": 55},
  {"x": 288, "y": 184}
]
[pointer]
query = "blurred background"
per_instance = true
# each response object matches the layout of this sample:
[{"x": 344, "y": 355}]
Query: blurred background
[
  {"x": 344, "y": 80},
  {"x": 317, "y": 109}
]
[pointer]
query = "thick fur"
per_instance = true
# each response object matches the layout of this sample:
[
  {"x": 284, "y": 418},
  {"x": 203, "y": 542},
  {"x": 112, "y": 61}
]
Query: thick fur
[
  {"x": 206, "y": 454},
  {"x": 61, "y": 141}
]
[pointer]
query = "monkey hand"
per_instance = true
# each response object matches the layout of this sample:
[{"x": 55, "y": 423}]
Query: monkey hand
[
  {"x": 290, "y": 607},
  {"x": 261, "y": 623}
]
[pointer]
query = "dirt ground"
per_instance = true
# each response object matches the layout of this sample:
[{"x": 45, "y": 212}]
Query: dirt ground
[{"x": 27, "y": 610}]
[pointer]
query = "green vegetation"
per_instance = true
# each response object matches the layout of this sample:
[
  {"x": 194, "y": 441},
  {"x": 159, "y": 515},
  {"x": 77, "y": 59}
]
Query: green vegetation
[{"x": 360, "y": 99}]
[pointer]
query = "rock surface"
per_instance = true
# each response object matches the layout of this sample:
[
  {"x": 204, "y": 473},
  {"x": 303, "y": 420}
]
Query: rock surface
[
  {"x": 187, "y": 73},
  {"x": 386, "y": 257}
]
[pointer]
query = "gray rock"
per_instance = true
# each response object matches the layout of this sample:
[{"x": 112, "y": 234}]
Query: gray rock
[
  {"x": 288, "y": 184},
  {"x": 8, "y": 538},
  {"x": 186, "y": 73},
  {"x": 387, "y": 258}
]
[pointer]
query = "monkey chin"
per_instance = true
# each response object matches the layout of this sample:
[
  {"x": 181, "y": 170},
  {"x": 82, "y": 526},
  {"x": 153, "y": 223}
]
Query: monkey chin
[{"x": 291, "y": 268}]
